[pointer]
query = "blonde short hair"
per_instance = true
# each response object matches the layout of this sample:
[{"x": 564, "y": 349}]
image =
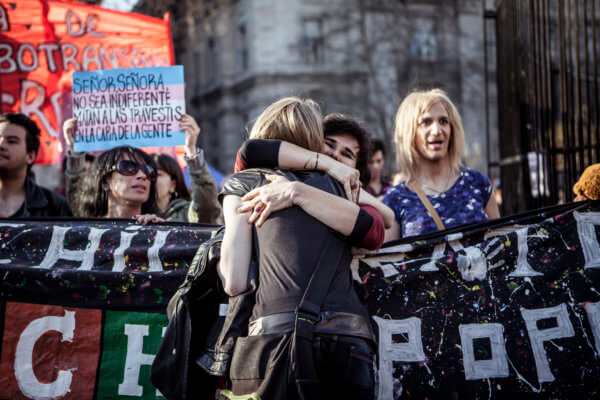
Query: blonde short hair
[
  {"x": 405, "y": 130},
  {"x": 293, "y": 120}
]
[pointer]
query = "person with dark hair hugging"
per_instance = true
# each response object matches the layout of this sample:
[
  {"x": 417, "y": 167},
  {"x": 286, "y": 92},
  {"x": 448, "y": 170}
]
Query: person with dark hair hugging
[
  {"x": 288, "y": 247},
  {"x": 344, "y": 157},
  {"x": 20, "y": 196},
  {"x": 172, "y": 198}
]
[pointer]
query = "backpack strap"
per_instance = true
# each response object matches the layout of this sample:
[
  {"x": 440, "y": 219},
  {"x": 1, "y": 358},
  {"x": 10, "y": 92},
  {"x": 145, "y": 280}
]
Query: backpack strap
[{"x": 415, "y": 187}]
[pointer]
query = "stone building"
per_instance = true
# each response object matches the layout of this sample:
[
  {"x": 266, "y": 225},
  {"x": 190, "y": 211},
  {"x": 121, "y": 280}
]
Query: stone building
[{"x": 353, "y": 56}]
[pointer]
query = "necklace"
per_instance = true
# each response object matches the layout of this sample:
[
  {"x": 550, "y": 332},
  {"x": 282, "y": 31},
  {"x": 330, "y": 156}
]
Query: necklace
[{"x": 434, "y": 190}]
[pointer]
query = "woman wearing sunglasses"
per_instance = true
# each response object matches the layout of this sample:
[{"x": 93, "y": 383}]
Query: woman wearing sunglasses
[
  {"x": 121, "y": 183},
  {"x": 173, "y": 201}
]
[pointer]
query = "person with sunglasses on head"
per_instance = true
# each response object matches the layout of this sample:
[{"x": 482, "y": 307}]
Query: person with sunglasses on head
[{"x": 174, "y": 202}]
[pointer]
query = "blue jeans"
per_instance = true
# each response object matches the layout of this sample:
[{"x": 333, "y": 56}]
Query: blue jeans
[{"x": 345, "y": 366}]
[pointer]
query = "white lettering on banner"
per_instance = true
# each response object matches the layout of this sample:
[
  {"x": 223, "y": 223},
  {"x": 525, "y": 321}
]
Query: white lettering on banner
[
  {"x": 593, "y": 313},
  {"x": 13, "y": 59},
  {"x": 4, "y": 24},
  {"x": 49, "y": 49},
  {"x": 119, "y": 264},
  {"x": 588, "y": 237},
  {"x": 34, "y": 107},
  {"x": 88, "y": 59},
  {"x": 497, "y": 366},
  {"x": 29, "y": 385},
  {"x": 538, "y": 336},
  {"x": 8, "y": 99},
  {"x": 110, "y": 56},
  {"x": 57, "y": 251},
  {"x": 89, "y": 26},
  {"x": 69, "y": 58},
  {"x": 91, "y": 21},
  {"x": 153, "y": 258},
  {"x": 410, "y": 351},
  {"x": 523, "y": 268},
  {"x": 55, "y": 103},
  {"x": 6, "y": 52},
  {"x": 134, "y": 359},
  {"x": 438, "y": 252},
  {"x": 388, "y": 268},
  {"x": 27, "y": 47}
]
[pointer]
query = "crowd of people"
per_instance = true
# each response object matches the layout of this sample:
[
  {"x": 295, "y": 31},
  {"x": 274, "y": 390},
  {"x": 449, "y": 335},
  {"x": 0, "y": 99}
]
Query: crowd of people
[{"x": 304, "y": 185}]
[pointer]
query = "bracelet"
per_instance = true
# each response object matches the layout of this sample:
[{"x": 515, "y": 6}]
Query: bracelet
[{"x": 317, "y": 162}]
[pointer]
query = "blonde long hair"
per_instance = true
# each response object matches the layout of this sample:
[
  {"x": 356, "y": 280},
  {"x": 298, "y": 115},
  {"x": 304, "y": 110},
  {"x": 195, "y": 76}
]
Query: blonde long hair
[
  {"x": 294, "y": 120},
  {"x": 405, "y": 129}
]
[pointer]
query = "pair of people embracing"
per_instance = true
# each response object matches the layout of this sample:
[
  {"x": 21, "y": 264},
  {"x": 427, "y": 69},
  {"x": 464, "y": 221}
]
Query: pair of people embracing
[{"x": 302, "y": 208}]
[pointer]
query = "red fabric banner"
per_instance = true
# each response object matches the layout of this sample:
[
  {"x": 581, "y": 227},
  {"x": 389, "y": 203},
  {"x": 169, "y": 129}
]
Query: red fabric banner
[{"x": 43, "y": 42}]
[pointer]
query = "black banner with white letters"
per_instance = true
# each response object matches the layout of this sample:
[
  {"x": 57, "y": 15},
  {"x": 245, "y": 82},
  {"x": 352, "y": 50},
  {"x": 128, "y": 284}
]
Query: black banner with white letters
[{"x": 506, "y": 308}]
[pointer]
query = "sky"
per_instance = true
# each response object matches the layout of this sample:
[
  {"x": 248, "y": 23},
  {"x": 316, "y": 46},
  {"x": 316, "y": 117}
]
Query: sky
[{"x": 121, "y": 5}]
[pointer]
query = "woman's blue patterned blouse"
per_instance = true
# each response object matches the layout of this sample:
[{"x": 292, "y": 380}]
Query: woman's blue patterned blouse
[{"x": 463, "y": 203}]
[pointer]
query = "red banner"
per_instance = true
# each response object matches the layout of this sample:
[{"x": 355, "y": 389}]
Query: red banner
[{"x": 43, "y": 42}]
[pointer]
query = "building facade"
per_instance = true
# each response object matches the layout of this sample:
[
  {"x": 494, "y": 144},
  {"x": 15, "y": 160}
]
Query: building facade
[{"x": 359, "y": 57}]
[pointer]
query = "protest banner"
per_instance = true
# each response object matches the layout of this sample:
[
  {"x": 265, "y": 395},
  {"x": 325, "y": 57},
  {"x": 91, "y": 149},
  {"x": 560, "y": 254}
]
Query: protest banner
[
  {"x": 508, "y": 308},
  {"x": 139, "y": 107},
  {"x": 42, "y": 42}
]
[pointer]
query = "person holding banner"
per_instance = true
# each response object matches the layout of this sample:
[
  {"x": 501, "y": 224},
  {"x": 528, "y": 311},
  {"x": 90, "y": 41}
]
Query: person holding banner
[
  {"x": 121, "y": 183},
  {"x": 20, "y": 196},
  {"x": 437, "y": 190},
  {"x": 173, "y": 202},
  {"x": 290, "y": 244}
]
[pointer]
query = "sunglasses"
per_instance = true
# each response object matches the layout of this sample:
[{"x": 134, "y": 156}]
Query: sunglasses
[{"x": 130, "y": 168}]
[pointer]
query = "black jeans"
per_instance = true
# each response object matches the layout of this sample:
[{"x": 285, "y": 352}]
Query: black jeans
[{"x": 345, "y": 366}]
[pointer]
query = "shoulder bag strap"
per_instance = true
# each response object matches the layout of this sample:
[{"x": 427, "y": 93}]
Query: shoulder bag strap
[
  {"x": 415, "y": 187},
  {"x": 308, "y": 313}
]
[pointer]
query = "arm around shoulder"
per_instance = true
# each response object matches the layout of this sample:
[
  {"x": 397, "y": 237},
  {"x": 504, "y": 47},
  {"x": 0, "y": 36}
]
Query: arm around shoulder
[{"x": 365, "y": 198}]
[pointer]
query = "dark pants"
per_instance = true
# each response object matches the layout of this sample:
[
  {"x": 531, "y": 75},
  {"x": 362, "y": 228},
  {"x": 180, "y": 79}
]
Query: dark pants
[{"x": 345, "y": 366}]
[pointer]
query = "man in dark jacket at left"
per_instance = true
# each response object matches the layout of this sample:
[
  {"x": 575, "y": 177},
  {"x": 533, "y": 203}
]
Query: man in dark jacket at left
[{"x": 20, "y": 196}]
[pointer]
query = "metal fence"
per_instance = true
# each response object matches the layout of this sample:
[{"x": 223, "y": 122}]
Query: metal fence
[{"x": 548, "y": 98}]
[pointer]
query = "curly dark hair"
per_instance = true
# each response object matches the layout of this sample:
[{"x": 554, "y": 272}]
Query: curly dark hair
[
  {"x": 334, "y": 124},
  {"x": 171, "y": 167},
  {"x": 91, "y": 200}
]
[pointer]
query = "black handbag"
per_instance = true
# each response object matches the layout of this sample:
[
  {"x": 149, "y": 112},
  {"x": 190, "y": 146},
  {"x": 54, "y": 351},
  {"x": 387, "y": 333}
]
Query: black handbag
[
  {"x": 194, "y": 314},
  {"x": 280, "y": 365}
]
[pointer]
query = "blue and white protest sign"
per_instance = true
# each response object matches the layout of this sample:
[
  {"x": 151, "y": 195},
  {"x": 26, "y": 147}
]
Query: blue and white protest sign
[{"x": 140, "y": 107}]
